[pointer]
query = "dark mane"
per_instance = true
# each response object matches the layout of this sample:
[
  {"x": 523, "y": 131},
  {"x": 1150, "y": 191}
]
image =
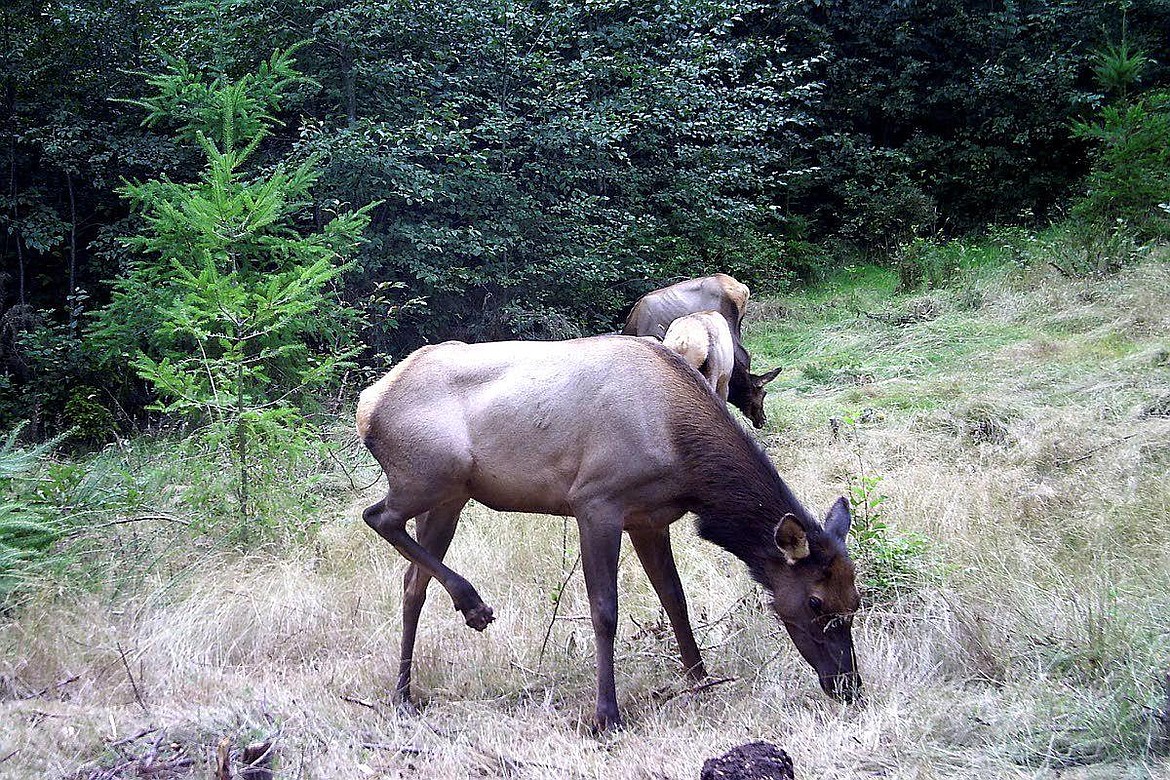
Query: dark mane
[{"x": 734, "y": 488}]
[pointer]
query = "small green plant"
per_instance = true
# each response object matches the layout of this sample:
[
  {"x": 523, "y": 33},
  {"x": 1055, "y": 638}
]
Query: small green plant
[{"x": 891, "y": 563}]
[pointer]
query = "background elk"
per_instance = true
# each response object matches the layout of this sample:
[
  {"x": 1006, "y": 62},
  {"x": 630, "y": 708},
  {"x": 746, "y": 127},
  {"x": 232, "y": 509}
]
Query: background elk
[
  {"x": 704, "y": 341},
  {"x": 654, "y": 311},
  {"x": 620, "y": 434}
]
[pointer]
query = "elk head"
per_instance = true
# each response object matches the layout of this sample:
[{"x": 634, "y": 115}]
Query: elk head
[
  {"x": 754, "y": 403},
  {"x": 814, "y": 594}
]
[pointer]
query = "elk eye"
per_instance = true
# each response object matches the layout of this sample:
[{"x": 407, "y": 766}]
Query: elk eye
[{"x": 815, "y": 604}]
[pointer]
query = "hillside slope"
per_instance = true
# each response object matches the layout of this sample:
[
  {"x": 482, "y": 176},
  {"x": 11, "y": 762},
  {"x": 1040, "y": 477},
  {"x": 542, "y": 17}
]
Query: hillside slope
[{"x": 1005, "y": 443}]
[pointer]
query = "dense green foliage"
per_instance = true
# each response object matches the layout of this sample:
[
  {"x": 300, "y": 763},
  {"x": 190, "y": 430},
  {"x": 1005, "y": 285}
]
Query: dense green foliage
[
  {"x": 950, "y": 114},
  {"x": 534, "y": 160},
  {"x": 531, "y": 168}
]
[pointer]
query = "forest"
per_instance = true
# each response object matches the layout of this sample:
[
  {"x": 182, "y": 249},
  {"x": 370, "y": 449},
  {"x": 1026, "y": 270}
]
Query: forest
[
  {"x": 524, "y": 170},
  {"x": 222, "y": 219}
]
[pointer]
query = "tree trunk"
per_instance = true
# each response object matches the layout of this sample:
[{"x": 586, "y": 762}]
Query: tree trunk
[
  {"x": 348, "y": 84},
  {"x": 72, "y": 249}
]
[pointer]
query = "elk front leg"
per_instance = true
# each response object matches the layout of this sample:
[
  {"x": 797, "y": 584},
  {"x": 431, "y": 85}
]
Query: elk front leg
[
  {"x": 601, "y": 539},
  {"x": 391, "y": 526},
  {"x": 653, "y": 549}
]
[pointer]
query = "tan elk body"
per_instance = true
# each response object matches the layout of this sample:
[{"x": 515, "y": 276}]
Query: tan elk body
[
  {"x": 704, "y": 341},
  {"x": 619, "y": 433}
]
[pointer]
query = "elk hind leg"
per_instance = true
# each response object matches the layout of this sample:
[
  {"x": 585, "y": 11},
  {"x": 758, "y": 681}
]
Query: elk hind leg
[
  {"x": 391, "y": 526},
  {"x": 435, "y": 529}
]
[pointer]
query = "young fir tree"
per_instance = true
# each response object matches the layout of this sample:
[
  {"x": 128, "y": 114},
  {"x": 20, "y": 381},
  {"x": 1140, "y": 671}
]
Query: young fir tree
[
  {"x": 231, "y": 298},
  {"x": 1130, "y": 180}
]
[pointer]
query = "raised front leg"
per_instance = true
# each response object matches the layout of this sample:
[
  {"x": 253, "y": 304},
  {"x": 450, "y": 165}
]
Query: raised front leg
[
  {"x": 391, "y": 526},
  {"x": 653, "y": 549},
  {"x": 601, "y": 539},
  {"x": 435, "y": 530}
]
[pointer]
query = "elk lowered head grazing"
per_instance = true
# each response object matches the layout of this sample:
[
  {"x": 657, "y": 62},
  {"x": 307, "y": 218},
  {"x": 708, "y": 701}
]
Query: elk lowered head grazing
[
  {"x": 753, "y": 399},
  {"x": 814, "y": 594}
]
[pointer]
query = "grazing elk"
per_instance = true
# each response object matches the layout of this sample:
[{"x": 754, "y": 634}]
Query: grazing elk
[
  {"x": 654, "y": 311},
  {"x": 620, "y": 434},
  {"x": 704, "y": 341}
]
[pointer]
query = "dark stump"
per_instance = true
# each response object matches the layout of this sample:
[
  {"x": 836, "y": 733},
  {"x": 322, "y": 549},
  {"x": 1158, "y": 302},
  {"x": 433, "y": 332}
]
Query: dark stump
[{"x": 753, "y": 761}]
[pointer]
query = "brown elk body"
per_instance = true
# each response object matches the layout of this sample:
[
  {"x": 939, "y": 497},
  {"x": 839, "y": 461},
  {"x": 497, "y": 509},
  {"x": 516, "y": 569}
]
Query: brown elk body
[
  {"x": 655, "y": 311},
  {"x": 620, "y": 434},
  {"x": 704, "y": 341}
]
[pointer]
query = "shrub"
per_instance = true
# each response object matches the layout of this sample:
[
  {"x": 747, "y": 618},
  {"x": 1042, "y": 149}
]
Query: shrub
[{"x": 1130, "y": 180}]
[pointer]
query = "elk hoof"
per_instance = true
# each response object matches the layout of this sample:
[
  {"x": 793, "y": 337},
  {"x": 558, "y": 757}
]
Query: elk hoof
[
  {"x": 407, "y": 707},
  {"x": 479, "y": 617},
  {"x": 605, "y": 725}
]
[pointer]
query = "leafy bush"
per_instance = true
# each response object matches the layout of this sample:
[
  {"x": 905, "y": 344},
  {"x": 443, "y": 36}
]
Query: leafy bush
[
  {"x": 89, "y": 421},
  {"x": 869, "y": 196},
  {"x": 1086, "y": 250},
  {"x": 924, "y": 263}
]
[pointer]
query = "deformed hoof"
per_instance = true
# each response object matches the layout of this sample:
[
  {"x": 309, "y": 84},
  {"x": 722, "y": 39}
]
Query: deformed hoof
[{"x": 479, "y": 617}]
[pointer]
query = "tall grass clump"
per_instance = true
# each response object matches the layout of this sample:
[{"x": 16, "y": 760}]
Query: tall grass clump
[{"x": 28, "y": 528}]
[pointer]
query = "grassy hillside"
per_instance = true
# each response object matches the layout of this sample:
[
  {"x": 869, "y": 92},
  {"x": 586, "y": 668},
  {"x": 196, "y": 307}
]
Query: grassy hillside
[{"x": 1004, "y": 441}]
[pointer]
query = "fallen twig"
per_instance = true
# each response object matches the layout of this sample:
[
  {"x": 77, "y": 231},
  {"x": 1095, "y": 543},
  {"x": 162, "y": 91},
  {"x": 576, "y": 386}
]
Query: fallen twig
[
  {"x": 58, "y": 686},
  {"x": 133, "y": 682},
  {"x": 335, "y": 459},
  {"x": 557, "y": 607},
  {"x": 362, "y": 703},
  {"x": 730, "y": 611},
  {"x": 696, "y": 689},
  {"x": 125, "y": 521},
  {"x": 1097, "y": 449},
  {"x": 136, "y": 737},
  {"x": 396, "y": 748}
]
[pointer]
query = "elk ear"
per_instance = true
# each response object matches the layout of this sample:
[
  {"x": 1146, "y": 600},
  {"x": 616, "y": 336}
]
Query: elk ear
[
  {"x": 838, "y": 520},
  {"x": 791, "y": 539},
  {"x": 763, "y": 379}
]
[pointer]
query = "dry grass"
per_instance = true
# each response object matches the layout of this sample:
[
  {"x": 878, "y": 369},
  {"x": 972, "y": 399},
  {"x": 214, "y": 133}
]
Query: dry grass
[{"x": 1035, "y": 646}]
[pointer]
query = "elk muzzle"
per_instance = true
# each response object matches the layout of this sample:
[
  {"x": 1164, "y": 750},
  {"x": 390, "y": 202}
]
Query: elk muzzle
[{"x": 830, "y": 653}]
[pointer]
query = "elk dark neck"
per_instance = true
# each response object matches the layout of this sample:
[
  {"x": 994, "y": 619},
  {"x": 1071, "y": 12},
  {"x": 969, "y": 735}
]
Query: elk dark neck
[{"x": 739, "y": 498}]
